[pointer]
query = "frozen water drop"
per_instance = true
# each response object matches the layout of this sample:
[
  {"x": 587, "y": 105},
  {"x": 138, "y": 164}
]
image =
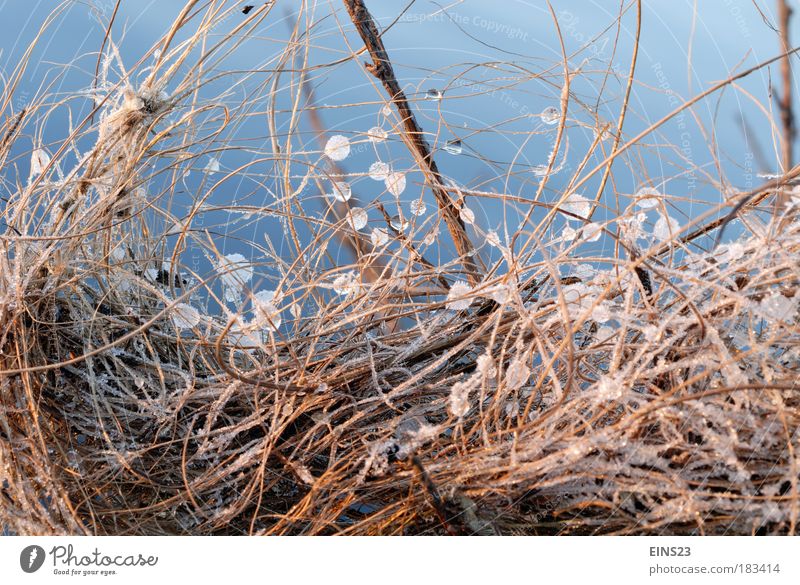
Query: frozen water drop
[
  {"x": 235, "y": 271},
  {"x": 117, "y": 254},
  {"x": 377, "y": 134},
  {"x": 735, "y": 251},
  {"x": 467, "y": 215},
  {"x": 499, "y": 293},
  {"x": 266, "y": 314},
  {"x": 431, "y": 236},
  {"x": 379, "y": 237},
  {"x": 378, "y": 171},
  {"x": 345, "y": 284},
  {"x": 185, "y": 316},
  {"x": 39, "y": 161},
  {"x": 778, "y": 307},
  {"x": 398, "y": 223},
  {"x": 433, "y": 94},
  {"x": 418, "y": 207},
  {"x": 340, "y": 191},
  {"x": 457, "y": 296},
  {"x": 338, "y": 147},
  {"x": 358, "y": 218},
  {"x": 386, "y": 110},
  {"x": 577, "y": 205},
  {"x": 666, "y": 228},
  {"x": 517, "y": 374},
  {"x": 550, "y": 115},
  {"x": 647, "y": 197},
  {"x": 453, "y": 147},
  {"x": 395, "y": 183},
  {"x": 592, "y": 232},
  {"x": 212, "y": 166}
]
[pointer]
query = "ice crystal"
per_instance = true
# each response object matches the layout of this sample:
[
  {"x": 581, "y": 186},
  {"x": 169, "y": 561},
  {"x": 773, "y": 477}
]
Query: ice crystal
[{"x": 337, "y": 147}]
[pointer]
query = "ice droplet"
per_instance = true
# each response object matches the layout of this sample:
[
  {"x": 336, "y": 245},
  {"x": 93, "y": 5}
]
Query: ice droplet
[
  {"x": 456, "y": 300},
  {"x": 345, "y": 284},
  {"x": 266, "y": 314},
  {"x": 433, "y": 94},
  {"x": 418, "y": 207},
  {"x": 117, "y": 254},
  {"x": 453, "y": 147},
  {"x": 395, "y": 183},
  {"x": 610, "y": 387},
  {"x": 212, "y": 166},
  {"x": 386, "y": 110},
  {"x": 39, "y": 161},
  {"x": 467, "y": 215},
  {"x": 379, "y": 237},
  {"x": 647, "y": 197},
  {"x": 398, "y": 223},
  {"x": 358, "y": 218},
  {"x": 550, "y": 115},
  {"x": 185, "y": 316},
  {"x": 777, "y": 306},
  {"x": 666, "y": 228},
  {"x": 601, "y": 313},
  {"x": 577, "y": 205},
  {"x": 517, "y": 373},
  {"x": 340, "y": 191},
  {"x": 338, "y": 147},
  {"x": 378, "y": 171},
  {"x": 734, "y": 251},
  {"x": 377, "y": 134},
  {"x": 235, "y": 271},
  {"x": 592, "y": 232},
  {"x": 499, "y": 293},
  {"x": 431, "y": 236}
]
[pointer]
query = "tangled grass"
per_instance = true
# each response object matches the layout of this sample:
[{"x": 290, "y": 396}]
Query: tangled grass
[{"x": 521, "y": 386}]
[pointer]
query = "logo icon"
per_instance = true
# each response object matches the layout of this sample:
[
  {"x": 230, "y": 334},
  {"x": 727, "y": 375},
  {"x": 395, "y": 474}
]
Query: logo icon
[{"x": 31, "y": 558}]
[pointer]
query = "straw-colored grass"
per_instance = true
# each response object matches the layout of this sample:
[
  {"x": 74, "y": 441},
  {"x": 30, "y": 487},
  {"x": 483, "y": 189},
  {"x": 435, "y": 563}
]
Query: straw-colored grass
[{"x": 388, "y": 387}]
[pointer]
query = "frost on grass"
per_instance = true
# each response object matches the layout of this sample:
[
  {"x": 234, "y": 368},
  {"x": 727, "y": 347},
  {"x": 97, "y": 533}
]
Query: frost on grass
[
  {"x": 185, "y": 316},
  {"x": 459, "y": 297},
  {"x": 346, "y": 284},
  {"x": 517, "y": 373}
]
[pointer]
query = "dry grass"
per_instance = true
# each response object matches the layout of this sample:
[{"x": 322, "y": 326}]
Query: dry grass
[{"x": 650, "y": 389}]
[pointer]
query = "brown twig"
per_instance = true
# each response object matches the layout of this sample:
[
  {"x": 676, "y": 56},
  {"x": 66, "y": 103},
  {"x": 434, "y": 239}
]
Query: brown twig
[
  {"x": 785, "y": 104},
  {"x": 381, "y": 68}
]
